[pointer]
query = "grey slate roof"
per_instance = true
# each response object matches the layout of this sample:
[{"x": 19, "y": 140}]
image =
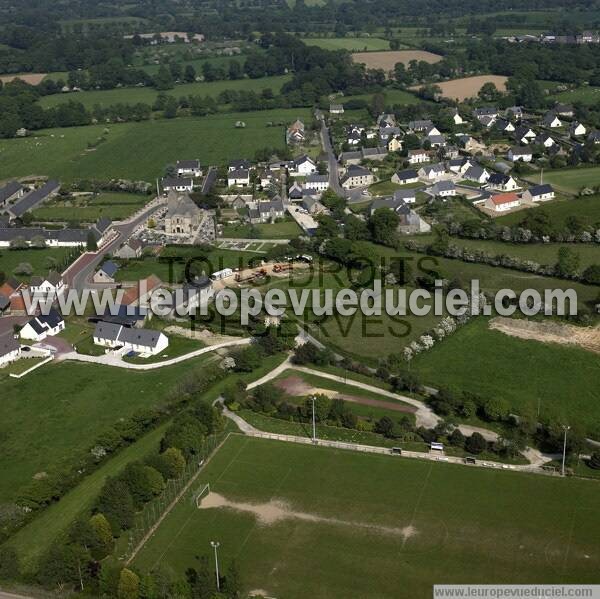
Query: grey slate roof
[
  {"x": 144, "y": 337},
  {"x": 188, "y": 164},
  {"x": 107, "y": 330},
  {"x": 32, "y": 199},
  {"x": 316, "y": 178},
  {"x": 8, "y": 344},
  {"x": 9, "y": 190},
  {"x": 498, "y": 179},
  {"x": 170, "y": 182},
  {"x": 538, "y": 190},
  {"x": 109, "y": 267},
  {"x": 405, "y": 194},
  {"x": 444, "y": 186}
]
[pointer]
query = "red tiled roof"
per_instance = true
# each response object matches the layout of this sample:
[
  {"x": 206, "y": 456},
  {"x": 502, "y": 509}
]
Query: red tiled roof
[{"x": 505, "y": 198}]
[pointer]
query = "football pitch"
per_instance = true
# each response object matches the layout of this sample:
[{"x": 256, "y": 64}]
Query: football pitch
[{"x": 303, "y": 521}]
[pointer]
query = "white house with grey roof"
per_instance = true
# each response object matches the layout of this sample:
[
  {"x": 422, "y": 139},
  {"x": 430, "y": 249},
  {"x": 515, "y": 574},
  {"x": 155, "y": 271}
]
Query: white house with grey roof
[
  {"x": 477, "y": 173},
  {"x": 106, "y": 273},
  {"x": 145, "y": 342},
  {"x": 13, "y": 190},
  {"x": 432, "y": 172},
  {"x": 443, "y": 189},
  {"x": 10, "y": 349},
  {"x": 405, "y": 177},
  {"x": 179, "y": 184},
  {"x": 40, "y": 327},
  {"x": 239, "y": 177},
  {"x": 538, "y": 193},
  {"x": 188, "y": 168},
  {"x": 317, "y": 182}
]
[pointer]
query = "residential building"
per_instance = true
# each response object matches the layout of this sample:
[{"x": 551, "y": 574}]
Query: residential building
[
  {"x": 50, "y": 285},
  {"x": 459, "y": 166},
  {"x": 551, "y": 120},
  {"x": 386, "y": 120},
  {"x": 419, "y": 126},
  {"x": 265, "y": 212},
  {"x": 432, "y": 172},
  {"x": 502, "y": 182},
  {"x": 486, "y": 111},
  {"x": 336, "y": 109},
  {"x": 386, "y": 133},
  {"x": 13, "y": 190},
  {"x": 417, "y": 157},
  {"x": 565, "y": 110},
  {"x": 594, "y": 137},
  {"x": 538, "y": 193},
  {"x": 378, "y": 153},
  {"x": 524, "y": 134},
  {"x": 188, "y": 168},
  {"x": 394, "y": 204},
  {"x": 356, "y": 176},
  {"x": 10, "y": 349},
  {"x": 545, "y": 140},
  {"x": 394, "y": 144},
  {"x": 317, "y": 182},
  {"x": 238, "y": 178},
  {"x": 130, "y": 250},
  {"x": 405, "y": 177},
  {"x": 436, "y": 141},
  {"x": 505, "y": 126},
  {"x": 179, "y": 184},
  {"x": 409, "y": 196},
  {"x": 106, "y": 273},
  {"x": 141, "y": 341},
  {"x": 503, "y": 202},
  {"x": 456, "y": 118},
  {"x": 443, "y": 189},
  {"x": 302, "y": 166},
  {"x": 518, "y": 154},
  {"x": 40, "y": 327},
  {"x": 33, "y": 199},
  {"x": 477, "y": 173},
  {"x": 576, "y": 129},
  {"x": 295, "y": 133}
]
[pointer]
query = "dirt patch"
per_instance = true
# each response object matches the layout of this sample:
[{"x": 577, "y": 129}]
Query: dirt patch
[
  {"x": 387, "y": 60},
  {"x": 549, "y": 332},
  {"x": 296, "y": 386},
  {"x": 462, "y": 89},
  {"x": 204, "y": 335},
  {"x": 277, "y": 510},
  {"x": 31, "y": 78}
]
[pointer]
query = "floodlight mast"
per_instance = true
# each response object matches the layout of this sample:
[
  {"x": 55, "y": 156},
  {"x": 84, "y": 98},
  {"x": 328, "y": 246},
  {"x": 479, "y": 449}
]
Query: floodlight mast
[{"x": 215, "y": 546}]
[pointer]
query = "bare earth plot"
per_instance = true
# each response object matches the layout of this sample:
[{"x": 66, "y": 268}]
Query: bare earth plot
[
  {"x": 549, "y": 332},
  {"x": 461, "y": 89},
  {"x": 387, "y": 60},
  {"x": 31, "y": 78}
]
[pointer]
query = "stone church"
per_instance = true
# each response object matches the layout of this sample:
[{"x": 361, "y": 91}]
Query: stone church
[{"x": 183, "y": 217}]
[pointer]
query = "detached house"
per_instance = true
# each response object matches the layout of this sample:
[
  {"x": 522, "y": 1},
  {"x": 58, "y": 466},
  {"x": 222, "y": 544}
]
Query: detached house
[
  {"x": 538, "y": 193},
  {"x": 394, "y": 144},
  {"x": 505, "y": 126},
  {"x": 317, "y": 182},
  {"x": 432, "y": 172},
  {"x": 501, "y": 182},
  {"x": 551, "y": 120},
  {"x": 406, "y": 195},
  {"x": 503, "y": 202},
  {"x": 436, "y": 141},
  {"x": 405, "y": 177},
  {"x": 518, "y": 154},
  {"x": 266, "y": 212},
  {"x": 238, "y": 178},
  {"x": 456, "y": 118},
  {"x": 477, "y": 174},
  {"x": 565, "y": 110},
  {"x": 417, "y": 156},
  {"x": 11, "y": 191},
  {"x": 130, "y": 250},
  {"x": 545, "y": 140},
  {"x": 48, "y": 286},
  {"x": 10, "y": 349},
  {"x": 576, "y": 129},
  {"x": 188, "y": 168},
  {"x": 142, "y": 341},
  {"x": 336, "y": 109},
  {"x": 295, "y": 133},
  {"x": 181, "y": 184},
  {"x": 486, "y": 111},
  {"x": 302, "y": 166},
  {"x": 40, "y": 327},
  {"x": 524, "y": 134},
  {"x": 443, "y": 189},
  {"x": 106, "y": 273},
  {"x": 419, "y": 126},
  {"x": 357, "y": 176}
]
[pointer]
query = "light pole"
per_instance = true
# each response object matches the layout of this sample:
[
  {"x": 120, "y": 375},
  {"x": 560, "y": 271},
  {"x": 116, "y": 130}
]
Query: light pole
[
  {"x": 215, "y": 545},
  {"x": 313, "y": 399},
  {"x": 565, "y": 428}
]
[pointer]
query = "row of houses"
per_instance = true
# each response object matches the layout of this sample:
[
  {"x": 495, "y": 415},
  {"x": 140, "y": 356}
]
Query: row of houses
[{"x": 16, "y": 200}]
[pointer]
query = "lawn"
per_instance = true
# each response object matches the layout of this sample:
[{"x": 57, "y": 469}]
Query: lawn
[
  {"x": 392, "y": 97},
  {"x": 88, "y": 209},
  {"x": 64, "y": 153},
  {"x": 573, "y": 179},
  {"x": 41, "y": 260},
  {"x": 587, "y": 209},
  {"x": 58, "y": 410},
  {"x": 522, "y": 372},
  {"x": 353, "y": 44},
  {"x": 147, "y": 95},
  {"x": 178, "y": 346},
  {"x": 398, "y": 521},
  {"x": 585, "y": 95},
  {"x": 286, "y": 229}
]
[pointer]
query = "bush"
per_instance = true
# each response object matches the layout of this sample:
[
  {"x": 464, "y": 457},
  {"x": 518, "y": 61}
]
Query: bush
[{"x": 475, "y": 443}]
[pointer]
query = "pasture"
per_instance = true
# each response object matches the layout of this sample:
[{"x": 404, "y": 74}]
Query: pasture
[
  {"x": 282, "y": 510},
  {"x": 572, "y": 180},
  {"x": 352, "y": 44},
  {"x": 142, "y": 150},
  {"x": 522, "y": 372},
  {"x": 392, "y": 97},
  {"x": 585, "y": 95},
  {"x": 387, "y": 60},
  {"x": 41, "y": 260}
]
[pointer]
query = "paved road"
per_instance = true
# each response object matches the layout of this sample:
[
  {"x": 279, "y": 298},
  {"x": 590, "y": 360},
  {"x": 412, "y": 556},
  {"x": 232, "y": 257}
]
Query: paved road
[{"x": 209, "y": 180}]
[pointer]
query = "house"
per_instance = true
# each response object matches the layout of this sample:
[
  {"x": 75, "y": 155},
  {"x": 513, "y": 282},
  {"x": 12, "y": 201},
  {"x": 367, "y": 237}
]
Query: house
[
  {"x": 238, "y": 178},
  {"x": 538, "y": 193},
  {"x": 295, "y": 192},
  {"x": 417, "y": 156},
  {"x": 551, "y": 120},
  {"x": 405, "y": 177},
  {"x": 386, "y": 120},
  {"x": 524, "y": 134},
  {"x": 409, "y": 196},
  {"x": 266, "y": 212},
  {"x": 487, "y": 121},
  {"x": 101, "y": 229},
  {"x": 312, "y": 206},
  {"x": 13, "y": 190},
  {"x": 419, "y": 126},
  {"x": 466, "y": 142},
  {"x": 130, "y": 250},
  {"x": 518, "y": 154},
  {"x": 295, "y": 133},
  {"x": 436, "y": 141},
  {"x": 394, "y": 204},
  {"x": 503, "y": 202},
  {"x": 594, "y": 137},
  {"x": 514, "y": 112},
  {"x": 10, "y": 349},
  {"x": 502, "y": 182},
  {"x": 385, "y": 133},
  {"x": 443, "y": 189},
  {"x": 357, "y": 176},
  {"x": 456, "y": 118},
  {"x": 432, "y": 172},
  {"x": 336, "y": 109},
  {"x": 141, "y": 341},
  {"x": 180, "y": 184},
  {"x": 106, "y": 273},
  {"x": 451, "y": 153},
  {"x": 33, "y": 199},
  {"x": 576, "y": 129},
  {"x": 565, "y": 110},
  {"x": 266, "y": 178},
  {"x": 302, "y": 166},
  {"x": 317, "y": 182},
  {"x": 235, "y": 165},
  {"x": 433, "y": 130},
  {"x": 459, "y": 166},
  {"x": 545, "y": 140},
  {"x": 50, "y": 285},
  {"x": 188, "y": 168},
  {"x": 354, "y": 138},
  {"x": 505, "y": 126},
  {"x": 183, "y": 217},
  {"x": 40, "y": 327},
  {"x": 486, "y": 111},
  {"x": 238, "y": 203},
  {"x": 477, "y": 174},
  {"x": 394, "y": 144},
  {"x": 378, "y": 153}
]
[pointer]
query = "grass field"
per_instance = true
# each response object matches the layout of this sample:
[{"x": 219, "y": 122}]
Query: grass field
[
  {"x": 88, "y": 209},
  {"x": 523, "y": 372},
  {"x": 392, "y": 97},
  {"x": 586, "y": 208},
  {"x": 147, "y": 95},
  {"x": 585, "y": 95},
  {"x": 573, "y": 179},
  {"x": 353, "y": 44},
  {"x": 41, "y": 260},
  {"x": 378, "y": 522},
  {"x": 286, "y": 229},
  {"x": 64, "y": 153}
]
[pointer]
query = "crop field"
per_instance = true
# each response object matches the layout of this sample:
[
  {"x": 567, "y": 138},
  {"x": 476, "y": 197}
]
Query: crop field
[
  {"x": 462, "y": 89},
  {"x": 282, "y": 510},
  {"x": 387, "y": 60},
  {"x": 353, "y": 44},
  {"x": 142, "y": 150},
  {"x": 133, "y": 95},
  {"x": 88, "y": 209},
  {"x": 587, "y": 209},
  {"x": 41, "y": 260},
  {"x": 523, "y": 372},
  {"x": 573, "y": 179}
]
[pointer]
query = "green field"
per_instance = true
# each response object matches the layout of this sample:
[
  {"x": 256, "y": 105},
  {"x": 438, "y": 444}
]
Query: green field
[
  {"x": 573, "y": 179},
  {"x": 41, "y": 260},
  {"x": 64, "y": 153},
  {"x": 524, "y": 373},
  {"x": 585, "y": 95},
  {"x": 353, "y": 44},
  {"x": 147, "y": 95},
  {"x": 392, "y": 97},
  {"x": 88, "y": 209},
  {"x": 282, "y": 230},
  {"x": 379, "y": 524},
  {"x": 587, "y": 209}
]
